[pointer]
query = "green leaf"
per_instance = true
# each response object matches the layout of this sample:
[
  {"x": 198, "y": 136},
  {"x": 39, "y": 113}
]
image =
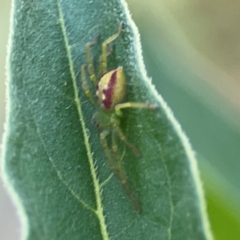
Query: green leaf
[{"x": 53, "y": 159}]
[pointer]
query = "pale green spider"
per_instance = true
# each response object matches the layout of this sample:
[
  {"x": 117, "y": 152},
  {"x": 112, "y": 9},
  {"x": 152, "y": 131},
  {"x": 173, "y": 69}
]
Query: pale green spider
[{"x": 110, "y": 93}]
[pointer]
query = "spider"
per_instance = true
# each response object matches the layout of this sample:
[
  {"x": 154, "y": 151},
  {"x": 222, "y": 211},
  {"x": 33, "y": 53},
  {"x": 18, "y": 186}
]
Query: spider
[{"x": 110, "y": 94}]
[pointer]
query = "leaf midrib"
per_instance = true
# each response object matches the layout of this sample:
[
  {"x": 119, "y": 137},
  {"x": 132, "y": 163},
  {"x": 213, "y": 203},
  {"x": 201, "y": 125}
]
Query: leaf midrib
[{"x": 97, "y": 188}]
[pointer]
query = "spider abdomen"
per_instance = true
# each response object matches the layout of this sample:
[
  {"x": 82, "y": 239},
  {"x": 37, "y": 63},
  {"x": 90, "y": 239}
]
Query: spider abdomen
[{"x": 111, "y": 88}]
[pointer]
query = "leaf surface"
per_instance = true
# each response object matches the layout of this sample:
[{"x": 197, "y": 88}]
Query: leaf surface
[{"x": 53, "y": 156}]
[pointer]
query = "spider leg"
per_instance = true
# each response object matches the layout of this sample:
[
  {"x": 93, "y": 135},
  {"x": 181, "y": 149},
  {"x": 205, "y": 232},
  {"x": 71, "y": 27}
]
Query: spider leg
[
  {"x": 100, "y": 70},
  {"x": 119, "y": 106},
  {"x": 121, "y": 174},
  {"x": 103, "y": 58},
  {"x": 90, "y": 66},
  {"x": 107, "y": 150},
  {"x": 124, "y": 139},
  {"x": 85, "y": 85}
]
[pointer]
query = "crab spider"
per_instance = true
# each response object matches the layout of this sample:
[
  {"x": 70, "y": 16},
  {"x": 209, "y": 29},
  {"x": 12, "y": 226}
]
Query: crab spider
[{"x": 110, "y": 93}]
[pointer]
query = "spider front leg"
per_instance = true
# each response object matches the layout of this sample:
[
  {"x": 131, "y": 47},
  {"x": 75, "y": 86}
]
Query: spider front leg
[
  {"x": 100, "y": 70},
  {"x": 91, "y": 71},
  {"x": 85, "y": 85},
  {"x": 103, "y": 58},
  {"x": 119, "y": 106},
  {"x": 121, "y": 173},
  {"x": 90, "y": 66}
]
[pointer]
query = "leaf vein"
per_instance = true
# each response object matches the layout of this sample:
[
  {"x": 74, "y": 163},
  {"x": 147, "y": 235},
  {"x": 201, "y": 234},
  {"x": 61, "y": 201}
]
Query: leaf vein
[
  {"x": 169, "y": 194},
  {"x": 75, "y": 195}
]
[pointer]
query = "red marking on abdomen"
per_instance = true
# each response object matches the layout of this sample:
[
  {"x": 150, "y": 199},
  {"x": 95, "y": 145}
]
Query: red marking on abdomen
[{"x": 109, "y": 91}]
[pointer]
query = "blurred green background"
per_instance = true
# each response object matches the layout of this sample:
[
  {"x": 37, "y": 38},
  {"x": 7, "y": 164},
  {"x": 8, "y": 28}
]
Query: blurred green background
[
  {"x": 9, "y": 222},
  {"x": 191, "y": 50}
]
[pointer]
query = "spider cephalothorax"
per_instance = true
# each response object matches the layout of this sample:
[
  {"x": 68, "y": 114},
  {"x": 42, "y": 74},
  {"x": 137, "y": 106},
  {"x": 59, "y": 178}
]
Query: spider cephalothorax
[{"x": 110, "y": 94}]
